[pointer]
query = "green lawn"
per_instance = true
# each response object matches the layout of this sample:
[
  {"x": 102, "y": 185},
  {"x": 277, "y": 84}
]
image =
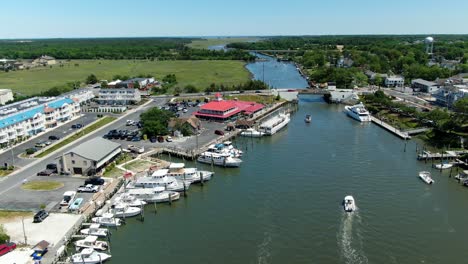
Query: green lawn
[
  {"x": 42, "y": 185},
  {"x": 205, "y": 43},
  {"x": 198, "y": 73},
  {"x": 101, "y": 122}
]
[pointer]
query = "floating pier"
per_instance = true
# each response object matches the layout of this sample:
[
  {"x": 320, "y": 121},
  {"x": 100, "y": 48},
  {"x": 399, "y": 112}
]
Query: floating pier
[
  {"x": 390, "y": 128},
  {"x": 427, "y": 155}
]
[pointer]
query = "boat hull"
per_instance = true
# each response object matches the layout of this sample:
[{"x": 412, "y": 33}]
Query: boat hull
[{"x": 356, "y": 116}]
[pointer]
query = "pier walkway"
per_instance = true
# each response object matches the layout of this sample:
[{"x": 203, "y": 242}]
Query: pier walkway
[
  {"x": 416, "y": 131},
  {"x": 390, "y": 128},
  {"x": 450, "y": 154}
]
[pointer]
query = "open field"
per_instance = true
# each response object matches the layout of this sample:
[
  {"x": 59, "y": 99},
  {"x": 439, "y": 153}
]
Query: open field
[
  {"x": 42, "y": 185},
  {"x": 205, "y": 43},
  {"x": 198, "y": 73}
]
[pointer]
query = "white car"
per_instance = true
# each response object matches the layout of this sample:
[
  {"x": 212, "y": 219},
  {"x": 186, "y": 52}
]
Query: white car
[
  {"x": 185, "y": 110},
  {"x": 88, "y": 188},
  {"x": 169, "y": 139}
]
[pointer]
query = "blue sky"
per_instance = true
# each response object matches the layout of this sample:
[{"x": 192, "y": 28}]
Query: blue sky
[{"x": 123, "y": 18}]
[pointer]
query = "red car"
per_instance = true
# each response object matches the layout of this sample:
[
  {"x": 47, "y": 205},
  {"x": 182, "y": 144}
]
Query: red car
[
  {"x": 219, "y": 132},
  {"x": 7, "y": 247}
]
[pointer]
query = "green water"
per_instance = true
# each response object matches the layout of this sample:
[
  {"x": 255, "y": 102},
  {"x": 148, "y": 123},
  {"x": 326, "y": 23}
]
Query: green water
[{"x": 284, "y": 204}]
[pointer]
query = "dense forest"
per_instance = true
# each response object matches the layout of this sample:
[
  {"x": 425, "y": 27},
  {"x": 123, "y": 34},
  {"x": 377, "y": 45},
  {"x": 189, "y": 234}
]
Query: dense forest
[
  {"x": 405, "y": 55},
  {"x": 115, "y": 48}
]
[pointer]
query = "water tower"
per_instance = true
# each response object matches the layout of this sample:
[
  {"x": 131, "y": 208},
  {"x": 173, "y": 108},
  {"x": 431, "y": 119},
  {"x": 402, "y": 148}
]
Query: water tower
[{"x": 429, "y": 41}]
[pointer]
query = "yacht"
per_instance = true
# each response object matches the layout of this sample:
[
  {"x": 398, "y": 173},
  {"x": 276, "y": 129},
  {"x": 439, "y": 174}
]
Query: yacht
[
  {"x": 443, "y": 166},
  {"x": 154, "y": 195},
  {"x": 89, "y": 256},
  {"x": 230, "y": 147},
  {"x": 308, "y": 119},
  {"x": 358, "y": 112},
  {"x": 94, "y": 230},
  {"x": 251, "y": 132},
  {"x": 159, "y": 178},
  {"x": 91, "y": 242},
  {"x": 106, "y": 219},
  {"x": 129, "y": 200},
  {"x": 349, "y": 204},
  {"x": 274, "y": 124},
  {"x": 122, "y": 210},
  {"x": 224, "y": 160},
  {"x": 193, "y": 175},
  {"x": 426, "y": 177},
  {"x": 223, "y": 149}
]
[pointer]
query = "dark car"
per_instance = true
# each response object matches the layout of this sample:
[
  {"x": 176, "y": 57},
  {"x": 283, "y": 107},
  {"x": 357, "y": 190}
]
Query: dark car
[
  {"x": 94, "y": 181},
  {"x": 219, "y": 132},
  {"x": 52, "y": 166},
  {"x": 45, "y": 173},
  {"x": 241, "y": 91},
  {"x": 54, "y": 137},
  {"x": 136, "y": 138},
  {"x": 76, "y": 126},
  {"x": 258, "y": 92},
  {"x": 40, "y": 216},
  {"x": 153, "y": 139},
  {"x": 7, "y": 247}
]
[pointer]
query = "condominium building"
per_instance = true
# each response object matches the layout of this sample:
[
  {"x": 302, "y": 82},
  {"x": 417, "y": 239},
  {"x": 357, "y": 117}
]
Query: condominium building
[{"x": 118, "y": 96}]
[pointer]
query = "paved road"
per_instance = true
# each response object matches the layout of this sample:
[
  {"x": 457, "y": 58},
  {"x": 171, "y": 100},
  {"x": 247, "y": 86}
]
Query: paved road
[
  {"x": 9, "y": 186},
  {"x": 409, "y": 98}
]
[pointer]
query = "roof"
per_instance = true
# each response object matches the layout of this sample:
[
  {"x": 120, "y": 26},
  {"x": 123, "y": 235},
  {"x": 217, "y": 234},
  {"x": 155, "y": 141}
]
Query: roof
[
  {"x": 95, "y": 149},
  {"x": 41, "y": 245},
  {"x": 218, "y": 105},
  {"x": 424, "y": 82},
  {"x": 160, "y": 173}
]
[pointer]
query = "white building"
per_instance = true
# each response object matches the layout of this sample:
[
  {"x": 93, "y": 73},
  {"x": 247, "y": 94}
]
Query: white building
[
  {"x": 80, "y": 95},
  {"x": 394, "y": 81},
  {"x": 119, "y": 96},
  {"x": 424, "y": 86},
  {"x": 5, "y": 96}
]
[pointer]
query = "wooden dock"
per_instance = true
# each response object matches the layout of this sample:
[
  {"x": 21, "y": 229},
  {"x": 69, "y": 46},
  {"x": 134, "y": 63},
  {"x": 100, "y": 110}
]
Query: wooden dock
[
  {"x": 402, "y": 135},
  {"x": 427, "y": 155}
]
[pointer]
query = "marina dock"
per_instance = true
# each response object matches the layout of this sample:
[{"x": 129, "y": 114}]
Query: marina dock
[
  {"x": 427, "y": 155},
  {"x": 390, "y": 128}
]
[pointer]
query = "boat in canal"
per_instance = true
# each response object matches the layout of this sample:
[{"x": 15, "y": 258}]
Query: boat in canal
[
  {"x": 106, "y": 219},
  {"x": 92, "y": 242},
  {"x": 251, "y": 132},
  {"x": 358, "y": 112},
  {"x": 89, "y": 256},
  {"x": 224, "y": 160},
  {"x": 129, "y": 200},
  {"x": 193, "y": 175},
  {"x": 349, "y": 204},
  {"x": 122, "y": 210},
  {"x": 221, "y": 148},
  {"x": 154, "y": 195},
  {"x": 159, "y": 178},
  {"x": 274, "y": 124},
  {"x": 94, "y": 230},
  {"x": 443, "y": 166},
  {"x": 425, "y": 176},
  {"x": 308, "y": 119}
]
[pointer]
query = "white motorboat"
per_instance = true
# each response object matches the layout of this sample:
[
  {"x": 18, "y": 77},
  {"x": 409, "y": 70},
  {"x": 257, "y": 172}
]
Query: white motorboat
[
  {"x": 129, "y": 200},
  {"x": 122, "y": 210},
  {"x": 349, "y": 204},
  {"x": 94, "y": 230},
  {"x": 230, "y": 147},
  {"x": 159, "y": 178},
  {"x": 106, "y": 219},
  {"x": 425, "y": 176},
  {"x": 462, "y": 175},
  {"x": 89, "y": 256},
  {"x": 251, "y": 132},
  {"x": 224, "y": 160},
  {"x": 92, "y": 242},
  {"x": 154, "y": 195},
  {"x": 223, "y": 149},
  {"x": 358, "y": 112},
  {"x": 274, "y": 124},
  {"x": 308, "y": 119},
  {"x": 443, "y": 166},
  {"x": 193, "y": 175}
]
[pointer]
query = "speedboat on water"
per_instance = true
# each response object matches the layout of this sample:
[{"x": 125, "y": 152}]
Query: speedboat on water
[
  {"x": 154, "y": 195},
  {"x": 308, "y": 119},
  {"x": 129, "y": 200},
  {"x": 89, "y": 256},
  {"x": 91, "y": 242},
  {"x": 425, "y": 176},
  {"x": 106, "y": 219},
  {"x": 122, "y": 210},
  {"x": 224, "y": 160},
  {"x": 358, "y": 112},
  {"x": 193, "y": 175},
  {"x": 349, "y": 204},
  {"x": 94, "y": 230},
  {"x": 160, "y": 178},
  {"x": 251, "y": 132},
  {"x": 443, "y": 166}
]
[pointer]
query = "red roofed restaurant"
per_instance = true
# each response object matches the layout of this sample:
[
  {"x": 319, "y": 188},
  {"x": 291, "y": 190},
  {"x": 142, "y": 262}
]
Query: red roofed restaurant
[{"x": 223, "y": 110}]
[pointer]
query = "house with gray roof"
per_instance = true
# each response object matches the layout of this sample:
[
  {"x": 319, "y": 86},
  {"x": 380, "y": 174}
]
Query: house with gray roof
[{"x": 90, "y": 157}]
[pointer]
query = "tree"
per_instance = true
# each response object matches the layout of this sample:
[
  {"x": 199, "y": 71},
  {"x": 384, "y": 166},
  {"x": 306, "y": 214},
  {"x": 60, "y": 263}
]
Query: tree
[
  {"x": 104, "y": 84},
  {"x": 177, "y": 90},
  {"x": 155, "y": 121},
  {"x": 461, "y": 106},
  {"x": 91, "y": 79},
  {"x": 191, "y": 89}
]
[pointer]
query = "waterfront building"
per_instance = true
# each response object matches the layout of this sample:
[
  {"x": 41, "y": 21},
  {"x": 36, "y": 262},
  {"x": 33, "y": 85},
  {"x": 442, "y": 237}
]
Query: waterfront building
[
  {"x": 5, "y": 96},
  {"x": 116, "y": 96},
  {"x": 223, "y": 110},
  {"x": 448, "y": 95},
  {"x": 394, "y": 81},
  {"x": 424, "y": 86},
  {"x": 89, "y": 157}
]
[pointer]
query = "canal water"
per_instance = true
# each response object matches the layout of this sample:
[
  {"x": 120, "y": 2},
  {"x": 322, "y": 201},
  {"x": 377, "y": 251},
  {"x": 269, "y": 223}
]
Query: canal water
[{"x": 283, "y": 205}]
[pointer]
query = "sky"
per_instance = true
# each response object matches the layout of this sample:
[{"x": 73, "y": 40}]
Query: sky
[{"x": 147, "y": 18}]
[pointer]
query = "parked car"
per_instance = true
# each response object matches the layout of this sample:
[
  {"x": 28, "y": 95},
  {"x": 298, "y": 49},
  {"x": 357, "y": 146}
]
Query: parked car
[
  {"x": 219, "y": 132},
  {"x": 40, "y": 216},
  {"x": 153, "y": 139},
  {"x": 136, "y": 138},
  {"x": 88, "y": 188},
  {"x": 169, "y": 139},
  {"x": 54, "y": 137},
  {"x": 160, "y": 139},
  {"x": 258, "y": 92},
  {"x": 94, "y": 181},
  {"x": 185, "y": 110},
  {"x": 40, "y": 144},
  {"x": 7, "y": 247},
  {"x": 47, "y": 143},
  {"x": 31, "y": 151},
  {"x": 76, "y": 126},
  {"x": 136, "y": 149},
  {"x": 45, "y": 173}
]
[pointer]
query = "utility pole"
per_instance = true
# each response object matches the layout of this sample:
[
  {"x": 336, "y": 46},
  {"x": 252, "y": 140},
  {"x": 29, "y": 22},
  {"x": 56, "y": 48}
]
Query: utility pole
[{"x": 24, "y": 232}]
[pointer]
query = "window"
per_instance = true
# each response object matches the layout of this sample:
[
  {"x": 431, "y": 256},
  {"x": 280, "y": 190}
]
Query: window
[{"x": 73, "y": 162}]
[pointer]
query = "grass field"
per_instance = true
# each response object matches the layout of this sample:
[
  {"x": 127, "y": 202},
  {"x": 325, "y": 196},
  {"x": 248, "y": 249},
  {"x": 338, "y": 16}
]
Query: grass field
[
  {"x": 205, "y": 43},
  {"x": 198, "y": 73},
  {"x": 42, "y": 185},
  {"x": 7, "y": 214}
]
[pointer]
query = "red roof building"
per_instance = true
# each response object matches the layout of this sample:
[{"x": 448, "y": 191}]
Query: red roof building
[{"x": 222, "y": 110}]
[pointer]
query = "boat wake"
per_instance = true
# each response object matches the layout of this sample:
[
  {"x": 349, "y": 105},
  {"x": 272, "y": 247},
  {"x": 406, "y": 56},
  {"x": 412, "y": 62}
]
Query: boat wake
[
  {"x": 263, "y": 252},
  {"x": 350, "y": 240}
]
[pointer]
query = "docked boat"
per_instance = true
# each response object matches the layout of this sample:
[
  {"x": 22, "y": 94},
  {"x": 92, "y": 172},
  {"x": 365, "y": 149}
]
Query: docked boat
[
  {"x": 349, "y": 204},
  {"x": 89, "y": 256},
  {"x": 251, "y": 132},
  {"x": 223, "y": 149},
  {"x": 274, "y": 124},
  {"x": 308, "y": 119},
  {"x": 106, "y": 219},
  {"x": 154, "y": 195},
  {"x": 122, "y": 210},
  {"x": 94, "y": 230},
  {"x": 224, "y": 160},
  {"x": 425, "y": 176},
  {"x": 129, "y": 200},
  {"x": 358, "y": 112},
  {"x": 193, "y": 175},
  {"x": 159, "y": 178},
  {"x": 92, "y": 242},
  {"x": 443, "y": 166},
  {"x": 462, "y": 175}
]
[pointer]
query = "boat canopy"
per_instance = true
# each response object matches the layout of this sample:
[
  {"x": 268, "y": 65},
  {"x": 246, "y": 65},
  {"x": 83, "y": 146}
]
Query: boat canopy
[
  {"x": 94, "y": 226},
  {"x": 91, "y": 239},
  {"x": 176, "y": 166},
  {"x": 160, "y": 173}
]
